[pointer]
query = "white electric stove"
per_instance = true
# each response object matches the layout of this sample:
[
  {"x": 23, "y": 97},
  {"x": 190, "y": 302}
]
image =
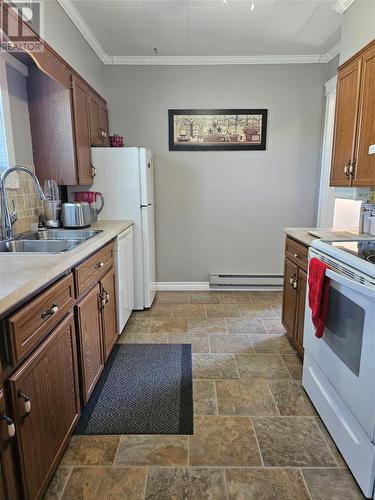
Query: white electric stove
[{"x": 339, "y": 368}]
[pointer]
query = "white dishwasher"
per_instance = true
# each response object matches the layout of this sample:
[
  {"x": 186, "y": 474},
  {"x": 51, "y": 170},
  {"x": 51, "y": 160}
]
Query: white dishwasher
[{"x": 124, "y": 262}]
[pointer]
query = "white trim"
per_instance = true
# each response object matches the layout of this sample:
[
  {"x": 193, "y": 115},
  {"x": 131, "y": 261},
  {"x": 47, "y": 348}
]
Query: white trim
[
  {"x": 213, "y": 60},
  {"x": 330, "y": 86},
  {"x": 176, "y": 286},
  {"x": 342, "y": 5},
  {"x": 7, "y": 113},
  {"x": 88, "y": 35},
  {"x": 83, "y": 28},
  {"x": 333, "y": 51}
]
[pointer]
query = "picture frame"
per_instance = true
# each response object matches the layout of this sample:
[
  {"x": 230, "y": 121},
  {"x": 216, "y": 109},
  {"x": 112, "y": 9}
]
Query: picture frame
[{"x": 217, "y": 129}]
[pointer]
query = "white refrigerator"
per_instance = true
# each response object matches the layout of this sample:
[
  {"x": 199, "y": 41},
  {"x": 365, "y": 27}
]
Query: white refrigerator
[{"x": 125, "y": 177}]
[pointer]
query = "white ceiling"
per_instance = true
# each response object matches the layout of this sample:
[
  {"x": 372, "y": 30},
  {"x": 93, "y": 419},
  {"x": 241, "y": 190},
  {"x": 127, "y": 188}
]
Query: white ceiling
[{"x": 206, "y": 28}]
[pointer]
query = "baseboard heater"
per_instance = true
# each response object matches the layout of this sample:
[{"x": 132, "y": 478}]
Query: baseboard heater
[{"x": 254, "y": 280}]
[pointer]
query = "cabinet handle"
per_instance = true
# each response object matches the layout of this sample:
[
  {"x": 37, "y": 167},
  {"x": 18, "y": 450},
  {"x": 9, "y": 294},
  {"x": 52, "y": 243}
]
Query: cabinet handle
[
  {"x": 103, "y": 302},
  {"x": 346, "y": 169},
  {"x": 11, "y": 429},
  {"x": 106, "y": 296},
  {"x": 50, "y": 312},
  {"x": 295, "y": 284},
  {"x": 291, "y": 281},
  {"x": 352, "y": 168},
  {"x": 93, "y": 171},
  {"x": 26, "y": 402},
  {"x": 99, "y": 265}
]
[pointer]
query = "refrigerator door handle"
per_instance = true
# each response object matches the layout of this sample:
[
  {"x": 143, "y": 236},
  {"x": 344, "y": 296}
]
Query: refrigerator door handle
[{"x": 146, "y": 206}]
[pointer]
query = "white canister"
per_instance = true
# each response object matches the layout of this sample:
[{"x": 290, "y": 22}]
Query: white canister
[{"x": 372, "y": 225}]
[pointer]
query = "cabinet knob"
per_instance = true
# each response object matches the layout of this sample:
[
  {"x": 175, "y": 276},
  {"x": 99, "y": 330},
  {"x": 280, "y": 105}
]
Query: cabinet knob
[
  {"x": 50, "y": 312},
  {"x": 99, "y": 265},
  {"x": 352, "y": 168},
  {"x": 291, "y": 281},
  {"x": 295, "y": 284},
  {"x": 296, "y": 256},
  {"x": 26, "y": 402},
  {"x": 11, "y": 429}
]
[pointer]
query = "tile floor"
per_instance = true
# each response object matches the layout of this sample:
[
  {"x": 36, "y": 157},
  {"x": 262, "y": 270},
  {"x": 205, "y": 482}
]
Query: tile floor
[{"x": 257, "y": 436}]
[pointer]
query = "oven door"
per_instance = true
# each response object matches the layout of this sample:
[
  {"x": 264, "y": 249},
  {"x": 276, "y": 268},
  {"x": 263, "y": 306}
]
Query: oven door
[{"x": 346, "y": 352}]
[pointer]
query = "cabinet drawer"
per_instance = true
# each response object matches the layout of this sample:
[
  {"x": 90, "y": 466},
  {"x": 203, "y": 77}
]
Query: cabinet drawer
[
  {"x": 27, "y": 327},
  {"x": 296, "y": 252},
  {"x": 92, "y": 269}
]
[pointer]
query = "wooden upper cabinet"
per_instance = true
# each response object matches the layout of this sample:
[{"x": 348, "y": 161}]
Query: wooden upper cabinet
[
  {"x": 364, "y": 173},
  {"x": 82, "y": 130},
  {"x": 98, "y": 121},
  {"x": 355, "y": 121},
  {"x": 347, "y": 102}
]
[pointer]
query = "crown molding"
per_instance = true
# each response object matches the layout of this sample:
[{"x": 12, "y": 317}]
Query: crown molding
[
  {"x": 212, "y": 60},
  {"x": 83, "y": 28},
  {"x": 342, "y": 5}
]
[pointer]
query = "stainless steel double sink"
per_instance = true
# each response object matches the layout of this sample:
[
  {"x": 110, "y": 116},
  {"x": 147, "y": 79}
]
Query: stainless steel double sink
[{"x": 47, "y": 241}]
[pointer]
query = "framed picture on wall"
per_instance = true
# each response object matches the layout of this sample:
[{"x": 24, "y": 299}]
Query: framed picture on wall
[{"x": 217, "y": 129}]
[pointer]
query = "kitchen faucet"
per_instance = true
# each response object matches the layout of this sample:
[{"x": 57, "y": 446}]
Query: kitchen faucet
[{"x": 9, "y": 218}]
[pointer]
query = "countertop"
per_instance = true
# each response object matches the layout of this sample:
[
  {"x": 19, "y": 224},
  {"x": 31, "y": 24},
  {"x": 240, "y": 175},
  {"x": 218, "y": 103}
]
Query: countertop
[
  {"x": 303, "y": 235},
  {"x": 23, "y": 275}
]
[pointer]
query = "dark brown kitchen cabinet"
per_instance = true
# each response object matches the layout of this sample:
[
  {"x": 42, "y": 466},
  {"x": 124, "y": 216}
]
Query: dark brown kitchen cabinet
[
  {"x": 355, "y": 121},
  {"x": 108, "y": 305},
  {"x": 89, "y": 323},
  {"x": 45, "y": 399},
  {"x": 98, "y": 121},
  {"x": 294, "y": 291},
  {"x": 81, "y": 113}
]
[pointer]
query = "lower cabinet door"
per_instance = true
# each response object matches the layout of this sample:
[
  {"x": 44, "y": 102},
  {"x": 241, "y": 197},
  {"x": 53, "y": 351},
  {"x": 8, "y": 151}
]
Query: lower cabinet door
[
  {"x": 108, "y": 294},
  {"x": 290, "y": 297},
  {"x": 90, "y": 338},
  {"x": 45, "y": 401},
  {"x": 300, "y": 313}
]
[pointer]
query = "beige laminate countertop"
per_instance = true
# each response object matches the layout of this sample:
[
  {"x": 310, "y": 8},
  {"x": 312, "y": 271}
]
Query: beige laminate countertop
[
  {"x": 303, "y": 235},
  {"x": 23, "y": 275}
]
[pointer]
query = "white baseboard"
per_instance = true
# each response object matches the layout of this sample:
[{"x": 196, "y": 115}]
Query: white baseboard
[
  {"x": 181, "y": 285},
  {"x": 163, "y": 286}
]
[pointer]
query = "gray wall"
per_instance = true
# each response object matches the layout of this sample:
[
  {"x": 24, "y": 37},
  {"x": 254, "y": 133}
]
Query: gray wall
[
  {"x": 63, "y": 36},
  {"x": 225, "y": 211},
  {"x": 19, "y": 116},
  {"x": 358, "y": 27},
  {"x": 332, "y": 67}
]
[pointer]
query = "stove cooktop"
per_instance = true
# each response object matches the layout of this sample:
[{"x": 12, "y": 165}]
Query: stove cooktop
[{"x": 363, "y": 249}]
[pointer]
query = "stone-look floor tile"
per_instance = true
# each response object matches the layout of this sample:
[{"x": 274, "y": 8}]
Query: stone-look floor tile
[
  {"x": 205, "y": 298},
  {"x": 271, "y": 344},
  {"x": 172, "y": 298},
  {"x": 143, "y": 338},
  {"x": 106, "y": 483},
  {"x": 189, "y": 311},
  {"x": 293, "y": 442},
  {"x": 245, "y": 397},
  {"x": 212, "y": 366},
  {"x": 276, "y": 297},
  {"x": 155, "y": 311},
  {"x": 245, "y": 325},
  {"x": 207, "y": 325},
  {"x": 199, "y": 342},
  {"x": 291, "y": 399},
  {"x": 293, "y": 364},
  {"x": 185, "y": 484},
  {"x": 331, "y": 444},
  {"x": 204, "y": 396},
  {"x": 261, "y": 310},
  {"x": 236, "y": 344},
  {"x": 265, "y": 484},
  {"x": 91, "y": 450},
  {"x": 169, "y": 325},
  {"x": 273, "y": 326},
  {"x": 259, "y": 366},
  {"x": 222, "y": 310},
  {"x": 153, "y": 450},
  {"x": 224, "y": 441},
  {"x": 137, "y": 325},
  {"x": 57, "y": 484},
  {"x": 234, "y": 298},
  {"x": 331, "y": 484}
]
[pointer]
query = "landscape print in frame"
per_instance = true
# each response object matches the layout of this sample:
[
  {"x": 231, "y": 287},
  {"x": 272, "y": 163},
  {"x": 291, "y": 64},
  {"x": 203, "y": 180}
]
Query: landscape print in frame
[{"x": 217, "y": 129}]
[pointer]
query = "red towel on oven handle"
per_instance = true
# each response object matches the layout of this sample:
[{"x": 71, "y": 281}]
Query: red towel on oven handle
[{"x": 318, "y": 294}]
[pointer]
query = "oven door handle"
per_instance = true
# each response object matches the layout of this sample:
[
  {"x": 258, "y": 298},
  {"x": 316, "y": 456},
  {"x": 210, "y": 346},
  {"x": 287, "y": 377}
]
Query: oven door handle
[{"x": 353, "y": 285}]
